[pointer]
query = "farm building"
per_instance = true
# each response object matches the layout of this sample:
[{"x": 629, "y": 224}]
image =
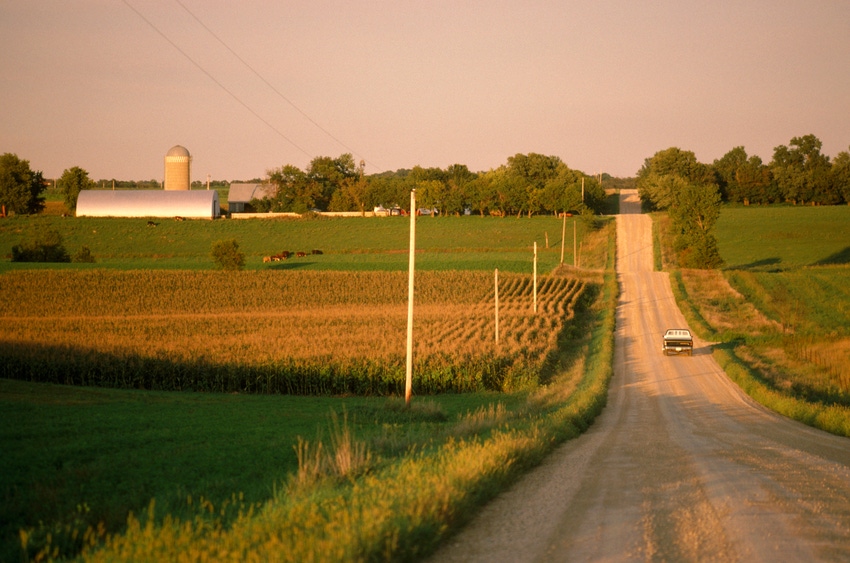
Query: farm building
[
  {"x": 178, "y": 167},
  {"x": 195, "y": 204},
  {"x": 240, "y": 195}
]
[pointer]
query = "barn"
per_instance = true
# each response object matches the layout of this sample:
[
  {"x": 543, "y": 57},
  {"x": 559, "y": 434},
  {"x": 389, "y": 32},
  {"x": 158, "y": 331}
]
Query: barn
[
  {"x": 195, "y": 204},
  {"x": 240, "y": 195}
]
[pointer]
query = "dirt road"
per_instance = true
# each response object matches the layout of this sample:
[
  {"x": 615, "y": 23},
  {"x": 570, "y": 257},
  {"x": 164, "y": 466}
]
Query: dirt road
[{"x": 681, "y": 466}]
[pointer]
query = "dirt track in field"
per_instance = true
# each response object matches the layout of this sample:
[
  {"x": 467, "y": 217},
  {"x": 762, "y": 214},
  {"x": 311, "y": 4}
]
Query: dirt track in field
[{"x": 681, "y": 465}]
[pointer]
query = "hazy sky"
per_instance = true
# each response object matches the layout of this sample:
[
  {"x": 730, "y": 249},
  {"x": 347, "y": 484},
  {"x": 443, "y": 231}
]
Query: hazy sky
[{"x": 601, "y": 84}]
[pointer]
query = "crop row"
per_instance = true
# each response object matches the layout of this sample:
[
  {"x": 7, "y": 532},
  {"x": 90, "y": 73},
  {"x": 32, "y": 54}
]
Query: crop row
[{"x": 293, "y": 332}]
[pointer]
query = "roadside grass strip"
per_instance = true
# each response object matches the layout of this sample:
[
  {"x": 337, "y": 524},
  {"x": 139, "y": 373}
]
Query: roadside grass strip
[
  {"x": 830, "y": 418},
  {"x": 398, "y": 512}
]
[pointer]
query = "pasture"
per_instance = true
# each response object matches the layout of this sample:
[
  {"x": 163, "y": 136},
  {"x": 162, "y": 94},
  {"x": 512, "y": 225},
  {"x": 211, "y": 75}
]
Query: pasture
[
  {"x": 771, "y": 238},
  {"x": 360, "y": 243}
]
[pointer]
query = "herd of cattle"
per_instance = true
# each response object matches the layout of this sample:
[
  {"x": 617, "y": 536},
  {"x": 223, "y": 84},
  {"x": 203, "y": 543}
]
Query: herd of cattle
[{"x": 285, "y": 255}]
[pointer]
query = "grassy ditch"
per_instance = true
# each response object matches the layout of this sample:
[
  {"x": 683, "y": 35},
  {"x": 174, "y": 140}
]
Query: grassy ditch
[{"x": 783, "y": 329}]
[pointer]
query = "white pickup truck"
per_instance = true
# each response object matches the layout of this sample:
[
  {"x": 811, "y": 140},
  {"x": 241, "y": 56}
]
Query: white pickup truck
[{"x": 678, "y": 341}]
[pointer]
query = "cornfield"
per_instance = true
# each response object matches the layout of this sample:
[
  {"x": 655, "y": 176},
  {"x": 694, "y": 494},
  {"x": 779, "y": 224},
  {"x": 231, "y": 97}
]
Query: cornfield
[{"x": 280, "y": 332}]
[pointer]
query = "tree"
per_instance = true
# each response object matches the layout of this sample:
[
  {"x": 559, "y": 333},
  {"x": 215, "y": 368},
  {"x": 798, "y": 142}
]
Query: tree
[
  {"x": 802, "y": 173},
  {"x": 653, "y": 183},
  {"x": 20, "y": 187},
  {"x": 725, "y": 170},
  {"x": 693, "y": 214},
  {"x": 72, "y": 182},
  {"x": 294, "y": 190},
  {"x": 44, "y": 246},
  {"x": 329, "y": 175},
  {"x": 755, "y": 183},
  {"x": 841, "y": 174},
  {"x": 226, "y": 255},
  {"x": 458, "y": 180}
]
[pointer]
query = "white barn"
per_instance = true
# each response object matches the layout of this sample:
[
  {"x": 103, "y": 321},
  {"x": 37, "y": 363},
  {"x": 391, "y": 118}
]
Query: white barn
[{"x": 195, "y": 204}]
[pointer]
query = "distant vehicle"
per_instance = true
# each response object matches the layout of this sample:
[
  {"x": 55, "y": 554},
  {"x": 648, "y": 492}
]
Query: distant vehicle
[{"x": 678, "y": 341}]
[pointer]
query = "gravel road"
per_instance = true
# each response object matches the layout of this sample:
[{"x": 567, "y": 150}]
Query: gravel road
[{"x": 681, "y": 465}]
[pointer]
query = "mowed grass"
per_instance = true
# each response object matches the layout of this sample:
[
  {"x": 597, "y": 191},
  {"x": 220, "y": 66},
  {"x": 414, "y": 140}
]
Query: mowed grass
[
  {"x": 367, "y": 243},
  {"x": 76, "y": 456},
  {"x": 781, "y": 237}
]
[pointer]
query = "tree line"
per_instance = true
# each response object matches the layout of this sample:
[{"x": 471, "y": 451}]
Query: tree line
[
  {"x": 799, "y": 174},
  {"x": 673, "y": 180},
  {"x": 527, "y": 184}
]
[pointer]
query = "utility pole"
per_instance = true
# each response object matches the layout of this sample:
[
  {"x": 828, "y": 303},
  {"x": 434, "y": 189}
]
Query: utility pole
[
  {"x": 563, "y": 237},
  {"x": 408, "y": 387},
  {"x": 535, "y": 276},
  {"x": 575, "y": 246},
  {"x": 496, "y": 279}
]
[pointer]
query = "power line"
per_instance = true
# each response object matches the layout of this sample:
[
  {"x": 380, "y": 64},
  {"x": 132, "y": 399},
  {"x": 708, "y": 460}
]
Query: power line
[
  {"x": 263, "y": 79},
  {"x": 217, "y": 82}
]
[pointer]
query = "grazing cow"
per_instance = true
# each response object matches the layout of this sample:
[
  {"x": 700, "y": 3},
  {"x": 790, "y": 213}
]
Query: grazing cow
[
  {"x": 178, "y": 218},
  {"x": 152, "y": 224},
  {"x": 300, "y": 254},
  {"x": 317, "y": 252},
  {"x": 267, "y": 259}
]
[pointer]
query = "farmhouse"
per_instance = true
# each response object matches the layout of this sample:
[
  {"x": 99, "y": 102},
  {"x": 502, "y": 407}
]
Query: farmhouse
[
  {"x": 240, "y": 195},
  {"x": 195, "y": 204}
]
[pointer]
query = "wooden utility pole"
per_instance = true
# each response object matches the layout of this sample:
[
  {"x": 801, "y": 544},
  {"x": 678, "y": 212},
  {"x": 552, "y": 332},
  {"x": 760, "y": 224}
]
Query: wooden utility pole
[
  {"x": 408, "y": 387},
  {"x": 535, "y": 276},
  {"x": 563, "y": 237},
  {"x": 497, "y": 307},
  {"x": 575, "y": 246}
]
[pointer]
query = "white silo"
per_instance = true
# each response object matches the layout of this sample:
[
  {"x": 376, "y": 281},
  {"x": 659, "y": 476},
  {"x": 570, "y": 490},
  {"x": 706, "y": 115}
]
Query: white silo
[{"x": 178, "y": 163}]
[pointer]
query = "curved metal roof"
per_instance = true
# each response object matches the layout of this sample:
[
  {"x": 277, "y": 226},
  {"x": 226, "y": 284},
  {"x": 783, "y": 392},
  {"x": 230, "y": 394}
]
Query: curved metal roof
[{"x": 201, "y": 204}]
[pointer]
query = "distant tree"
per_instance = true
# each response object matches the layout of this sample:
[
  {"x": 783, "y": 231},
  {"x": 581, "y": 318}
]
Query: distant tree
[
  {"x": 725, "y": 170},
  {"x": 802, "y": 173},
  {"x": 72, "y": 182},
  {"x": 295, "y": 191},
  {"x": 327, "y": 175},
  {"x": 226, "y": 255},
  {"x": 20, "y": 187},
  {"x": 653, "y": 182},
  {"x": 755, "y": 183},
  {"x": 481, "y": 193},
  {"x": 693, "y": 214},
  {"x": 458, "y": 180},
  {"x": 841, "y": 174},
  {"x": 351, "y": 196},
  {"x": 44, "y": 246}
]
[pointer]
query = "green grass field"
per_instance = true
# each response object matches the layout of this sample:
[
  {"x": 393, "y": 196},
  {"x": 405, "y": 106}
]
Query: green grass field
[
  {"x": 781, "y": 238},
  {"x": 466, "y": 243},
  {"x": 115, "y": 450}
]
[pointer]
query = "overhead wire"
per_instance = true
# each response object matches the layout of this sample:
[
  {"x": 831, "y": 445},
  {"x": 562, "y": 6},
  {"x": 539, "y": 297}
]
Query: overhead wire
[
  {"x": 263, "y": 79},
  {"x": 221, "y": 85}
]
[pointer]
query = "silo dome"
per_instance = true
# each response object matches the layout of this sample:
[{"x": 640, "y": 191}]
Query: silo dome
[{"x": 178, "y": 168}]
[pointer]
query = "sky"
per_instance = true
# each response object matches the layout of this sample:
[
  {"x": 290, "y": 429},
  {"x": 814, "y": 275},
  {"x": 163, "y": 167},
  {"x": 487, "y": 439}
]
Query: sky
[{"x": 111, "y": 85}]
